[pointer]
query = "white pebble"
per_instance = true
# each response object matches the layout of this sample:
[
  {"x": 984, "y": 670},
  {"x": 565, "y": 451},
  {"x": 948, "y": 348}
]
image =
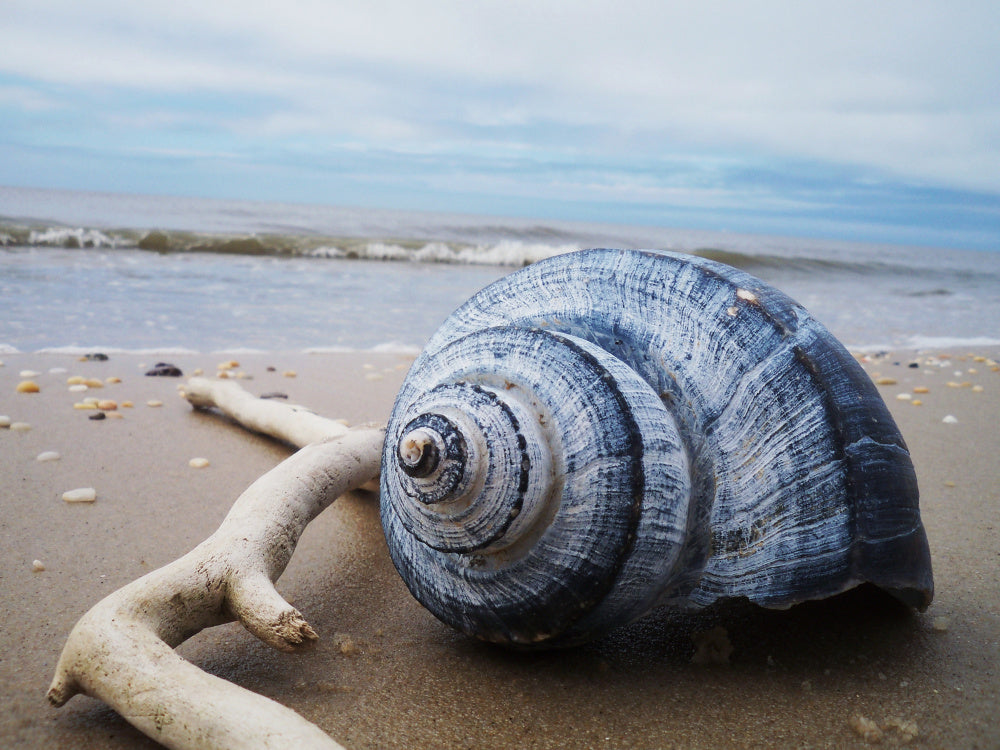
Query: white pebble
[
  {"x": 78, "y": 388},
  {"x": 80, "y": 495},
  {"x": 198, "y": 463},
  {"x": 48, "y": 456},
  {"x": 154, "y": 403},
  {"x": 37, "y": 565},
  {"x": 4, "y": 420},
  {"x": 950, "y": 419},
  {"x": 29, "y": 373},
  {"x": 903, "y": 397},
  {"x": 20, "y": 426}
]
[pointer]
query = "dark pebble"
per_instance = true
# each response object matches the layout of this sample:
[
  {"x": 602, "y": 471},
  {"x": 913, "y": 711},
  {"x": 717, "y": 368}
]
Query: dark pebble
[
  {"x": 166, "y": 370},
  {"x": 274, "y": 394},
  {"x": 914, "y": 365},
  {"x": 97, "y": 417},
  {"x": 96, "y": 357}
]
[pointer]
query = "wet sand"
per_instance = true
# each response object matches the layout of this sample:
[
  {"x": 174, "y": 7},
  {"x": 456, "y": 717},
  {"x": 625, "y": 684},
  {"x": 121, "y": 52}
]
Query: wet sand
[{"x": 387, "y": 674}]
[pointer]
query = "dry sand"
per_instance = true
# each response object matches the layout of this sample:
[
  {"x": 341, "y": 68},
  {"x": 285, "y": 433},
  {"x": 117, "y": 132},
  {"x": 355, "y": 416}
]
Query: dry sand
[{"x": 387, "y": 674}]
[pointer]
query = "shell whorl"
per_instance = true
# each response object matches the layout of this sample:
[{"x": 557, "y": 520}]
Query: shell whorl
[{"x": 606, "y": 431}]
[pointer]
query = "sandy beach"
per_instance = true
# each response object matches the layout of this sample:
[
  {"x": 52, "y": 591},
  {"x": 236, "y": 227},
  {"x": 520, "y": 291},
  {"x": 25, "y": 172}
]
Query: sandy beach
[{"x": 386, "y": 674}]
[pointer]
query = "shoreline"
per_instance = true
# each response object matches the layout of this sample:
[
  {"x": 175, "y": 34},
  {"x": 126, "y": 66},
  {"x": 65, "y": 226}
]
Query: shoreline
[{"x": 387, "y": 674}]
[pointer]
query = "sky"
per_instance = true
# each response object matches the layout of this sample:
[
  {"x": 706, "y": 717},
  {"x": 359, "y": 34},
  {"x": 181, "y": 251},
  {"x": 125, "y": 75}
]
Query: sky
[{"x": 875, "y": 121}]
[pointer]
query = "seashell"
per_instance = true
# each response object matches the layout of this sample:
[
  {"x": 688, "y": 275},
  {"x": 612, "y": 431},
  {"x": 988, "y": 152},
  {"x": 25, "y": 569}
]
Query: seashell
[{"x": 606, "y": 432}]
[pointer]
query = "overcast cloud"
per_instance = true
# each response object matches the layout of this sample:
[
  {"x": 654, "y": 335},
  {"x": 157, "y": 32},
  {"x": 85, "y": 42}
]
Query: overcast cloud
[{"x": 850, "y": 119}]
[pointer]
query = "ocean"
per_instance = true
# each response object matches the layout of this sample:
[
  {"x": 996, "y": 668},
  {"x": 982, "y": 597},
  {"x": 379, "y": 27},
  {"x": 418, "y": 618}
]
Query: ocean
[{"x": 98, "y": 271}]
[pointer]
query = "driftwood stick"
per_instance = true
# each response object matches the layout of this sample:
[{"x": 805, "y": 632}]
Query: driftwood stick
[
  {"x": 121, "y": 651},
  {"x": 293, "y": 424}
]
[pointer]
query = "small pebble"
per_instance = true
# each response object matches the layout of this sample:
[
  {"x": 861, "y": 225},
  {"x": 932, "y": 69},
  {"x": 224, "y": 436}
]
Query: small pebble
[
  {"x": 165, "y": 369},
  {"x": 78, "y": 388},
  {"x": 84, "y": 405},
  {"x": 47, "y": 456},
  {"x": 94, "y": 357},
  {"x": 904, "y": 397},
  {"x": 977, "y": 389},
  {"x": 950, "y": 419},
  {"x": 81, "y": 495},
  {"x": 98, "y": 416},
  {"x": 107, "y": 405},
  {"x": 940, "y": 624},
  {"x": 20, "y": 426},
  {"x": 949, "y": 483},
  {"x": 37, "y": 566},
  {"x": 154, "y": 402},
  {"x": 885, "y": 381},
  {"x": 28, "y": 386},
  {"x": 127, "y": 404},
  {"x": 112, "y": 380},
  {"x": 29, "y": 374},
  {"x": 93, "y": 383},
  {"x": 4, "y": 421},
  {"x": 198, "y": 372},
  {"x": 114, "y": 415},
  {"x": 76, "y": 380},
  {"x": 289, "y": 373},
  {"x": 374, "y": 376},
  {"x": 921, "y": 389},
  {"x": 198, "y": 463},
  {"x": 916, "y": 402}
]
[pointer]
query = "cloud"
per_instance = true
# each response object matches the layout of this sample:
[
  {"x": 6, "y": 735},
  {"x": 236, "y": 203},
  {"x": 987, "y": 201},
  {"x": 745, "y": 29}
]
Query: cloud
[{"x": 637, "y": 100}]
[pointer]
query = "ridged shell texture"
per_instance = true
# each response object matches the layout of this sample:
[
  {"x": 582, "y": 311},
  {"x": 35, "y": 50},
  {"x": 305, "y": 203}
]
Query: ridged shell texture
[{"x": 608, "y": 431}]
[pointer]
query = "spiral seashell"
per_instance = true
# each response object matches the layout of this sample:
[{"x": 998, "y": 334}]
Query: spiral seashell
[{"x": 605, "y": 432}]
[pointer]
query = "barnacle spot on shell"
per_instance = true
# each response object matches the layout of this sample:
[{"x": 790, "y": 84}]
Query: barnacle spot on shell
[
  {"x": 28, "y": 386},
  {"x": 866, "y": 729},
  {"x": 712, "y": 646},
  {"x": 732, "y": 311},
  {"x": 747, "y": 295}
]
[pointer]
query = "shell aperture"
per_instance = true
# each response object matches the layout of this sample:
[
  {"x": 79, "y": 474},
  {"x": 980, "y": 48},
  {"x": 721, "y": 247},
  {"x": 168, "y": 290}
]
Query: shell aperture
[{"x": 608, "y": 431}]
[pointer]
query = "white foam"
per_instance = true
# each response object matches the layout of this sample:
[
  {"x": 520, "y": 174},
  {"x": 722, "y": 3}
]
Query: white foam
[
  {"x": 947, "y": 342},
  {"x": 83, "y": 237},
  {"x": 8, "y": 349},
  {"x": 81, "y": 350}
]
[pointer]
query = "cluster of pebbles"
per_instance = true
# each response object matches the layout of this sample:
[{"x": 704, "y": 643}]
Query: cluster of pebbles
[
  {"x": 95, "y": 399},
  {"x": 966, "y": 371}
]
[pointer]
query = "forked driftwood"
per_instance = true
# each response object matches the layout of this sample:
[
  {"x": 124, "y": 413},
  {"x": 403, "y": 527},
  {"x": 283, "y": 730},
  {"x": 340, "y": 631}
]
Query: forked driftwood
[{"x": 121, "y": 651}]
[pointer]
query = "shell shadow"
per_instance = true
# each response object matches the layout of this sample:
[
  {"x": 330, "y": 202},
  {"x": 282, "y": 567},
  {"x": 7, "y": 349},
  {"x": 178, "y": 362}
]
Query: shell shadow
[{"x": 853, "y": 631}]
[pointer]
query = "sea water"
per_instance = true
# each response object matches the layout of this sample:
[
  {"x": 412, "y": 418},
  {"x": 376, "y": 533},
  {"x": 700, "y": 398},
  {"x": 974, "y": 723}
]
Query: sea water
[{"x": 234, "y": 275}]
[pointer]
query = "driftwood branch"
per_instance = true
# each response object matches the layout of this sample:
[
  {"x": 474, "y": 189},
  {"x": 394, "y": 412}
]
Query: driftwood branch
[{"x": 121, "y": 651}]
